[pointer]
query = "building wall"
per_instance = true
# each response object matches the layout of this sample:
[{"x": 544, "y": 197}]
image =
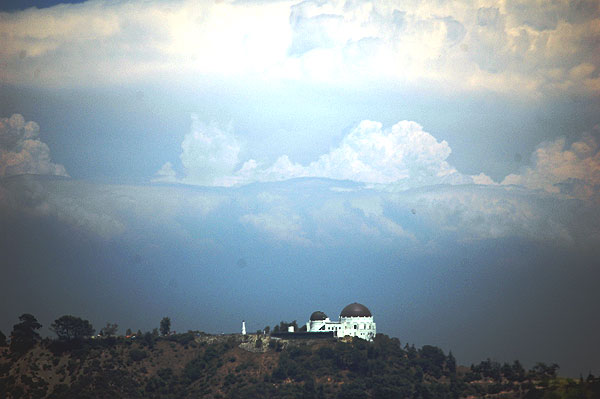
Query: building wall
[{"x": 362, "y": 327}]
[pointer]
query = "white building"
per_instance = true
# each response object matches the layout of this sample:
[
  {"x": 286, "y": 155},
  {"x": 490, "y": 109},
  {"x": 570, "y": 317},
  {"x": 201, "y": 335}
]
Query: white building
[{"x": 355, "y": 321}]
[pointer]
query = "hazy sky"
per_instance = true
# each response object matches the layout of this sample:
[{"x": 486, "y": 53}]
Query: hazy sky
[{"x": 437, "y": 161}]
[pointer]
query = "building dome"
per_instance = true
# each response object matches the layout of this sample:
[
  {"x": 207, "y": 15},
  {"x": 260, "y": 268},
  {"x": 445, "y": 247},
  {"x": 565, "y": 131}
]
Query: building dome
[
  {"x": 318, "y": 315},
  {"x": 355, "y": 310}
]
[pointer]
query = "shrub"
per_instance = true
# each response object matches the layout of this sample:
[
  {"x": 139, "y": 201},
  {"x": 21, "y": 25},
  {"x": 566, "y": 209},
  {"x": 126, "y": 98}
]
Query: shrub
[{"x": 137, "y": 354}]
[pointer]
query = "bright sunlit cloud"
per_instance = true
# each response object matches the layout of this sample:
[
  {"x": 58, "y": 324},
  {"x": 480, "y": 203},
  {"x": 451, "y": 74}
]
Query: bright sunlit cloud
[
  {"x": 504, "y": 47},
  {"x": 403, "y": 155}
]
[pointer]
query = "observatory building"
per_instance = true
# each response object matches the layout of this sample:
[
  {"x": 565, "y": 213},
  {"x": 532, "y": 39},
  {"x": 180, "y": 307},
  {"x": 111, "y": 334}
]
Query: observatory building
[{"x": 355, "y": 321}]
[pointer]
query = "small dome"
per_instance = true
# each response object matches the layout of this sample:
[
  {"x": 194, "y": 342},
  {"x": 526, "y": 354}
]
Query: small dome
[
  {"x": 318, "y": 315},
  {"x": 355, "y": 310}
]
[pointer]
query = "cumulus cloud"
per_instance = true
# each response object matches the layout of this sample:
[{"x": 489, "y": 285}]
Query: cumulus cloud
[
  {"x": 209, "y": 156},
  {"x": 166, "y": 174},
  {"x": 370, "y": 154},
  {"x": 557, "y": 167},
  {"x": 397, "y": 158},
  {"x": 22, "y": 152},
  {"x": 404, "y": 156},
  {"x": 521, "y": 46}
]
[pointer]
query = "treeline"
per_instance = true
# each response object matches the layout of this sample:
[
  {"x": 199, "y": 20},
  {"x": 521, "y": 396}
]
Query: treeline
[{"x": 68, "y": 329}]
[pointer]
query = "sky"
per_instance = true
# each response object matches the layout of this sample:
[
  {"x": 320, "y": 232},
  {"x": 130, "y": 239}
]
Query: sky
[{"x": 437, "y": 161}]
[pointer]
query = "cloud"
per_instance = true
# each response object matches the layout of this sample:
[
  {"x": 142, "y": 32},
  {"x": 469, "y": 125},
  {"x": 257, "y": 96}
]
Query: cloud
[
  {"x": 209, "y": 156},
  {"x": 560, "y": 168},
  {"x": 398, "y": 158},
  {"x": 373, "y": 155},
  {"x": 61, "y": 201},
  {"x": 402, "y": 156},
  {"x": 21, "y": 151},
  {"x": 279, "y": 224},
  {"x": 517, "y": 46},
  {"x": 480, "y": 212},
  {"x": 301, "y": 213},
  {"x": 108, "y": 211},
  {"x": 166, "y": 174}
]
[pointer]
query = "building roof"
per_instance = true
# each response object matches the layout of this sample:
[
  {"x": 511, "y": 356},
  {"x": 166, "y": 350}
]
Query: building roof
[
  {"x": 318, "y": 315},
  {"x": 356, "y": 310}
]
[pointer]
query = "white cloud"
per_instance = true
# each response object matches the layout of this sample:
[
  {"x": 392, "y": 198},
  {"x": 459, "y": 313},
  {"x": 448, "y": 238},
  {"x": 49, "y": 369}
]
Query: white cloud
[
  {"x": 402, "y": 156},
  {"x": 166, "y": 174},
  {"x": 21, "y": 151},
  {"x": 373, "y": 155},
  {"x": 557, "y": 167},
  {"x": 209, "y": 154},
  {"x": 516, "y": 46},
  {"x": 398, "y": 158}
]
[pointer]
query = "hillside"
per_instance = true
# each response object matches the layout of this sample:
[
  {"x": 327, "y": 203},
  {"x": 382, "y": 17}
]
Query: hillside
[{"x": 235, "y": 366}]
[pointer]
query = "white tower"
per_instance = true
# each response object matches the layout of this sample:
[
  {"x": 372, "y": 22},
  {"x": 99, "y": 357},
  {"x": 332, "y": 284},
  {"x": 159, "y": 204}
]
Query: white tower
[{"x": 243, "y": 327}]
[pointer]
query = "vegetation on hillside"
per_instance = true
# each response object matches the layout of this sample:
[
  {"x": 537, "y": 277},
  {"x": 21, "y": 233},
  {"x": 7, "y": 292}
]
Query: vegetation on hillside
[{"x": 195, "y": 364}]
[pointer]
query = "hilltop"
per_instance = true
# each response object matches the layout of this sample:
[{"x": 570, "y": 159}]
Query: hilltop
[{"x": 195, "y": 364}]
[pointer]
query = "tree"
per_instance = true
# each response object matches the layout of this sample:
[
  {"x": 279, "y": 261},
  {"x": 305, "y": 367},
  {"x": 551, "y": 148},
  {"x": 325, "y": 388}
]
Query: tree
[
  {"x": 70, "y": 327},
  {"x": 165, "y": 326},
  {"x": 544, "y": 371},
  {"x": 109, "y": 330},
  {"x": 267, "y": 330},
  {"x": 128, "y": 332},
  {"x": 24, "y": 334},
  {"x": 432, "y": 360},
  {"x": 451, "y": 363},
  {"x": 2, "y": 339},
  {"x": 507, "y": 372},
  {"x": 518, "y": 371}
]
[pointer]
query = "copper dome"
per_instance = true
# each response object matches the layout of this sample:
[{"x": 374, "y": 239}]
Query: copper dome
[{"x": 355, "y": 310}]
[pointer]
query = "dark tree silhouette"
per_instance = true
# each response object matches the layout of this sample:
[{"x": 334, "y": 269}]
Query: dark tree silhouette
[
  {"x": 70, "y": 327},
  {"x": 165, "y": 326},
  {"x": 109, "y": 330},
  {"x": 24, "y": 334},
  {"x": 2, "y": 339},
  {"x": 451, "y": 363}
]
